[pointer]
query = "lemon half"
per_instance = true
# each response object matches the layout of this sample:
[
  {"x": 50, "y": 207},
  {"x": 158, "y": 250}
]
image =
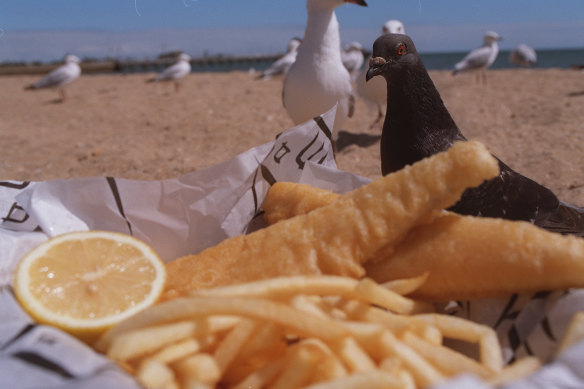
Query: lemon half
[{"x": 85, "y": 282}]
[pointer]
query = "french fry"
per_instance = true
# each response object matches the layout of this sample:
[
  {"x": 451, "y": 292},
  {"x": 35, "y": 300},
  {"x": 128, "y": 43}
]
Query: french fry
[
  {"x": 453, "y": 327},
  {"x": 284, "y": 287},
  {"x": 574, "y": 333},
  {"x": 262, "y": 376},
  {"x": 369, "y": 380},
  {"x": 464, "y": 256},
  {"x": 233, "y": 342},
  {"x": 192, "y": 307},
  {"x": 354, "y": 356},
  {"x": 142, "y": 341},
  {"x": 338, "y": 238},
  {"x": 199, "y": 368},
  {"x": 405, "y": 286},
  {"x": 182, "y": 349},
  {"x": 299, "y": 367},
  {"x": 153, "y": 374},
  {"x": 423, "y": 372},
  {"x": 445, "y": 359},
  {"x": 378, "y": 295}
]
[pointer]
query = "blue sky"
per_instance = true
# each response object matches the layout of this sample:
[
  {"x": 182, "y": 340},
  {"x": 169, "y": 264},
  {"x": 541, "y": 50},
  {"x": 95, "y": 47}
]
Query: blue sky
[{"x": 47, "y": 29}]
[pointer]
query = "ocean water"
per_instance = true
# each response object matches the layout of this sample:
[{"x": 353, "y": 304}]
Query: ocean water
[{"x": 565, "y": 59}]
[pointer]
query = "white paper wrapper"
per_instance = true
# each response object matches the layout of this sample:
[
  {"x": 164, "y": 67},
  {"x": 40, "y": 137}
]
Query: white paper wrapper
[{"x": 187, "y": 214}]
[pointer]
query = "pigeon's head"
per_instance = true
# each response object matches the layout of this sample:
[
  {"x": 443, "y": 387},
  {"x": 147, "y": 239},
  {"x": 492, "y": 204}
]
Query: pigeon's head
[
  {"x": 392, "y": 52},
  {"x": 393, "y": 27},
  {"x": 332, "y": 4}
]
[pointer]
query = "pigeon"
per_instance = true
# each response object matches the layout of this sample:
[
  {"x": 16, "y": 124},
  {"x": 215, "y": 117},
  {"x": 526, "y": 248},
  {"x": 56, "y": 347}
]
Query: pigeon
[
  {"x": 61, "y": 76},
  {"x": 523, "y": 55},
  {"x": 282, "y": 64},
  {"x": 353, "y": 58},
  {"x": 481, "y": 58},
  {"x": 175, "y": 72},
  {"x": 317, "y": 81},
  {"x": 418, "y": 125},
  {"x": 374, "y": 92}
]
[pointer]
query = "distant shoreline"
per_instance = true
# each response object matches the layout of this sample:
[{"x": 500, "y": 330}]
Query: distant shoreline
[{"x": 551, "y": 58}]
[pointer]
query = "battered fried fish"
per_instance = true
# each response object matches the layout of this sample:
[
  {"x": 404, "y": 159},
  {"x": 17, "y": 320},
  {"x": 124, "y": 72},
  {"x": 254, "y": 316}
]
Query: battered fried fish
[{"x": 338, "y": 238}]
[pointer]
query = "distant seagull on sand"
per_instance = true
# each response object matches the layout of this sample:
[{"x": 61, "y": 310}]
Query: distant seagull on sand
[
  {"x": 418, "y": 125},
  {"x": 282, "y": 64},
  {"x": 318, "y": 80},
  {"x": 523, "y": 55},
  {"x": 481, "y": 58},
  {"x": 374, "y": 92},
  {"x": 61, "y": 76},
  {"x": 353, "y": 58},
  {"x": 175, "y": 72}
]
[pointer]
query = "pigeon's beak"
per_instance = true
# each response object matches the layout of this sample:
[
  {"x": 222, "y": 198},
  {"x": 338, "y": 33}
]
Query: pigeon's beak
[
  {"x": 358, "y": 2},
  {"x": 376, "y": 67}
]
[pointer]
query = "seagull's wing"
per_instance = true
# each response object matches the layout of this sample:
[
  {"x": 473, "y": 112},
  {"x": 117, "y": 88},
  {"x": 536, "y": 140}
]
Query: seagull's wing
[
  {"x": 178, "y": 70},
  {"x": 477, "y": 58},
  {"x": 57, "y": 77},
  {"x": 281, "y": 65}
]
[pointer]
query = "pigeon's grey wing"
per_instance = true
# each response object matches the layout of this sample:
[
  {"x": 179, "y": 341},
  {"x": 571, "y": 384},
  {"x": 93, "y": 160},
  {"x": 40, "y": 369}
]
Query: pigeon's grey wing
[
  {"x": 54, "y": 78},
  {"x": 475, "y": 59}
]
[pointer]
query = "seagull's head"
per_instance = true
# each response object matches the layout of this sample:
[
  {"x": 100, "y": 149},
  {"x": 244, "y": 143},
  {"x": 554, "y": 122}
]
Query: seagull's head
[
  {"x": 293, "y": 44},
  {"x": 70, "y": 58},
  {"x": 490, "y": 37},
  {"x": 391, "y": 52},
  {"x": 393, "y": 27},
  {"x": 332, "y": 4},
  {"x": 184, "y": 57}
]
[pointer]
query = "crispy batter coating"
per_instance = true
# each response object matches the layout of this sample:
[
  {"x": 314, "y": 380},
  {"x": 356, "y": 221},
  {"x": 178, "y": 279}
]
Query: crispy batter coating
[
  {"x": 336, "y": 239},
  {"x": 287, "y": 199},
  {"x": 470, "y": 257}
]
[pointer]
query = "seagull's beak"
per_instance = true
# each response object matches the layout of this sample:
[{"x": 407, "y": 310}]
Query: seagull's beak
[
  {"x": 376, "y": 67},
  {"x": 358, "y": 2}
]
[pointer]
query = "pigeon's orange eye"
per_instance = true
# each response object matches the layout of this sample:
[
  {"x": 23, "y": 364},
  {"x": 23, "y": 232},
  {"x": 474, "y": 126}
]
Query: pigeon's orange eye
[{"x": 401, "y": 49}]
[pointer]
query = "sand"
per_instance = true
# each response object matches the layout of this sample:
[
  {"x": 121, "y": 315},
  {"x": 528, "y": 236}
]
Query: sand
[{"x": 118, "y": 125}]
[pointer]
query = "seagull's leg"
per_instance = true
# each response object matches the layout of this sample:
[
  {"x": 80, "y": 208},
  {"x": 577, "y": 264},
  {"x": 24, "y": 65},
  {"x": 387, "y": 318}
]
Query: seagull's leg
[
  {"x": 62, "y": 93},
  {"x": 176, "y": 86},
  {"x": 379, "y": 117}
]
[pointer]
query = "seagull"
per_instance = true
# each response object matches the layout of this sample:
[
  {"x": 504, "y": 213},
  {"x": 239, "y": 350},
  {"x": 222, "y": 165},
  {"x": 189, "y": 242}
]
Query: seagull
[
  {"x": 61, "y": 76},
  {"x": 175, "y": 72},
  {"x": 353, "y": 58},
  {"x": 374, "y": 92},
  {"x": 318, "y": 80},
  {"x": 523, "y": 55},
  {"x": 481, "y": 58},
  {"x": 418, "y": 125},
  {"x": 283, "y": 63}
]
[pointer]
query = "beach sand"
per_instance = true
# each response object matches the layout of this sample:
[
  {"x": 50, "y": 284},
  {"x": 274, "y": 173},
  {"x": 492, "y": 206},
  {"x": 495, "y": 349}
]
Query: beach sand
[{"x": 118, "y": 125}]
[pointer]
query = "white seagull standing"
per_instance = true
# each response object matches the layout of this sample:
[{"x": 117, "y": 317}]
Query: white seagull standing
[
  {"x": 481, "y": 58},
  {"x": 175, "y": 72},
  {"x": 523, "y": 55},
  {"x": 318, "y": 80},
  {"x": 61, "y": 76},
  {"x": 352, "y": 56},
  {"x": 374, "y": 91},
  {"x": 282, "y": 64}
]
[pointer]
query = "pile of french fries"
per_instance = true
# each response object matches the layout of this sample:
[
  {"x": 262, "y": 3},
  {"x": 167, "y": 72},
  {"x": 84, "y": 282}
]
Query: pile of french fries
[
  {"x": 337, "y": 291},
  {"x": 303, "y": 331}
]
